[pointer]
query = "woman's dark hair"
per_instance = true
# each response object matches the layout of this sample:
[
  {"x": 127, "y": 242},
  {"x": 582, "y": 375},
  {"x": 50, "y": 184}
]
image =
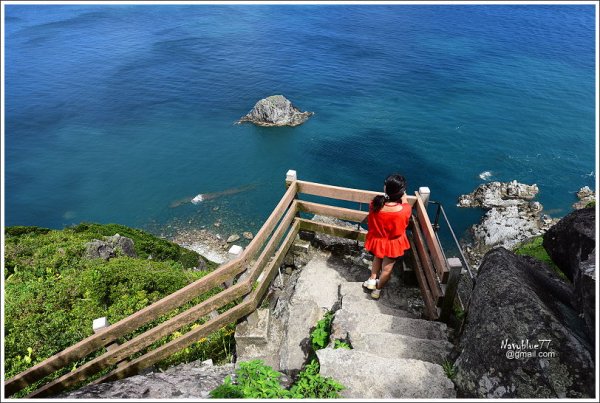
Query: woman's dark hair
[{"x": 395, "y": 187}]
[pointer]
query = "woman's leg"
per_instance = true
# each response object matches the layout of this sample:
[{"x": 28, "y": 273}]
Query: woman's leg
[
  {"x": 375, "y": 268},
  {"x": 386, "y": 271}
]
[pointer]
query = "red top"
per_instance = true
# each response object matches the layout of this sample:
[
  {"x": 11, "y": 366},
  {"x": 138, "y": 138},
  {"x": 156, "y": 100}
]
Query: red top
[{"x": 387, "y": 232}]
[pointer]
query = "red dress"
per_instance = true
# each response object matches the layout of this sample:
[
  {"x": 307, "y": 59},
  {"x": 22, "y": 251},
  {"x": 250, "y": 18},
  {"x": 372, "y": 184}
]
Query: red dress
[{"x": 387, "y": 232}]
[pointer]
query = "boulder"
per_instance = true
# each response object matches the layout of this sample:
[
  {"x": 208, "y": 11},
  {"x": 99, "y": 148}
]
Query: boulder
[
  {"x": 233, "y": 238},
  {"x": 521, "y": 337},
  {"x": 275, "y": 110},
  {"x": 571, "y": 240},
  {"x": 97, "y": 249},
  {"x": 571, "y": 245},
  {"x": 248, "y": 235}
]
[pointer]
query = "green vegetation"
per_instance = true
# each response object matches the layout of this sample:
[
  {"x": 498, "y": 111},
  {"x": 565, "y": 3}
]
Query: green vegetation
[
  {"x": 255, "y": 380},
  {"x": 341, "y": 344},
  {"x": 319, "y": 337},
  {"x": 449, "y": 369},
  {"x": 459, "y": 313},
  {"x": 591, "y": 204},
  {"x": 534, "y": 248},
  {"x": 52, "y": 294}
]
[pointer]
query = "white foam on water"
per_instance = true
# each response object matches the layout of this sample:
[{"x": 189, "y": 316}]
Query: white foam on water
[
  {"x": 199, "y": 198},
  {"x": 485, "y": 175}
]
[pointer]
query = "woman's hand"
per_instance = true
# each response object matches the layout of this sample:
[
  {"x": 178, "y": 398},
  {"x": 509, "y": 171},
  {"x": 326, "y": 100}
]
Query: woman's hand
[{"x": 404, "y": 198}]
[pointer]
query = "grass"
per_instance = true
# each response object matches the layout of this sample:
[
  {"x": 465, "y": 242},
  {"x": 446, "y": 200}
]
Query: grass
[
  {"x": 52, "y": 293},
  {"x": 534, "y": 248}
]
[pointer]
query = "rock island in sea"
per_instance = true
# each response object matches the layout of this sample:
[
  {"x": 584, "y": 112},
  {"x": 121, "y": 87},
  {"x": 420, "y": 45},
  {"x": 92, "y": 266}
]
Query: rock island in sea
[{"x": 276, "y": 110}]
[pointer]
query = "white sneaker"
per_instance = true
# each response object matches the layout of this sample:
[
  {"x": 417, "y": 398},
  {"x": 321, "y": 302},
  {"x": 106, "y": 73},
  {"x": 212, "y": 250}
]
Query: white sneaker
[
  {"x": 376, "y": 293},
  {"x": 371, "y": 283}
]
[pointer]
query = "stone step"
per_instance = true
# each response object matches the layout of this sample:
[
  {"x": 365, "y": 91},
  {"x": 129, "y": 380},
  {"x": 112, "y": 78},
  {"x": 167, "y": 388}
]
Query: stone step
[
  {"x": 392, "y": 296},
  {"x": 258, "y": 338},
  {"x": 351, "y": 322},
  {"x": 366, "y": 376},
  {"x": 401, "y": 346},
  {"x": 369, "y": 307}
]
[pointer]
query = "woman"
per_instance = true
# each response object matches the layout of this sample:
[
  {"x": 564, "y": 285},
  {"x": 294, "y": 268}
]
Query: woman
[{"x": 387, "y": 220}]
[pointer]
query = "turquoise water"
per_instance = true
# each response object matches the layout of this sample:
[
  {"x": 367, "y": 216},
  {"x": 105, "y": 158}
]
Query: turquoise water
[{"x": 114, "y": 112}]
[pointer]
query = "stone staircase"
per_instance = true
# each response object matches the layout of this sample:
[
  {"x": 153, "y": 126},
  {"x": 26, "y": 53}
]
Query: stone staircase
[{"x": 394, "y": 355}]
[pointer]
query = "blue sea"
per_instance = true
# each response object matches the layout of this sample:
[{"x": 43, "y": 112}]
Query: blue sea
[{"x": 115, "y": 112}]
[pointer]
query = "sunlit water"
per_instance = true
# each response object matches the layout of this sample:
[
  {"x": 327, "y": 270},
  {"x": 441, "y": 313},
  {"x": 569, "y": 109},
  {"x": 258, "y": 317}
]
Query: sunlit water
[{"x": 114, "y": 113}]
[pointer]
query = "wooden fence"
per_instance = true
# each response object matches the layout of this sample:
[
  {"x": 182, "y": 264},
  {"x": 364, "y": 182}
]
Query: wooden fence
[{"x": 260, "y": 260}]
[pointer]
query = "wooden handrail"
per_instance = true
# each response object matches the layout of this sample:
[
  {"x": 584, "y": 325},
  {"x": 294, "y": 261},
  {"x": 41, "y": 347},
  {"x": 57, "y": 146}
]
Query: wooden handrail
[
  {"x": 435, "y": 250},
  {"x": 193, "y": 335},
  {"x": 152, "y": 312},
  {"x": 280, "y": 228},
  {"x": 337, "y": 212},
  {"x": 122, "y": 327},
  {"x": 143, "y": 340}
]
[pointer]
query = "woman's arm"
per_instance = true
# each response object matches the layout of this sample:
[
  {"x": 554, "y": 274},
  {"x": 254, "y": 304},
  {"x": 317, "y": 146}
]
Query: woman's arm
[{"x": 404, "y": 198}]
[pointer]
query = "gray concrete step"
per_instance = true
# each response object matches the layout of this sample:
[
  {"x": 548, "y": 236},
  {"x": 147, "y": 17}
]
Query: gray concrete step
[
  {"x": 366, "y": 376},
  {"x": 351, "y": 320},
  {"x": 371, "y": 307},
  {"x": 394, "y": 297},
  {"x": 396, "y": 345}
]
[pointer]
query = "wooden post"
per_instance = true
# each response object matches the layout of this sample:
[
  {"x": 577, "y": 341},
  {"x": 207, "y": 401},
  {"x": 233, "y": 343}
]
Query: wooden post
[
  {"x": 424, "y": 192},
  {"x": 290, "y": 177},
  {"x": 234, "y": 252},
  {"x": 450, "y": 288},
  {"x": 102, "y": 323}
]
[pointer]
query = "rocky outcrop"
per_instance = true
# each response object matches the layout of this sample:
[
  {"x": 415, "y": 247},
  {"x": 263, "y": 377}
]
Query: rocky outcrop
[
  {"x": 522, "y": 338},
  {"x": 571, "y": 245},
  {"x": 499, "y": 194},
  {"x": 110, "y": 247},
  {"x": 512, "y": 216},
  {"x": 275, "y": 110},
  {"x": 186, "y": 381},
  {"x": 585, "y": 196}
]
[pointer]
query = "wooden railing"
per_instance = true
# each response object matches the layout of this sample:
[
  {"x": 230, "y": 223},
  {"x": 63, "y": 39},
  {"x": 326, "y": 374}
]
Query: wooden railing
[{"x": 272, "y": 242}]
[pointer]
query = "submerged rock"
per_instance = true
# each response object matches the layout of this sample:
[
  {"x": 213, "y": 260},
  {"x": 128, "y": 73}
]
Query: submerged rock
[{"x": 275, "y": 110}]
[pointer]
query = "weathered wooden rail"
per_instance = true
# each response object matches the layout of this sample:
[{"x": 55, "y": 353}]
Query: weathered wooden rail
[{"x": 260, "y": 261}]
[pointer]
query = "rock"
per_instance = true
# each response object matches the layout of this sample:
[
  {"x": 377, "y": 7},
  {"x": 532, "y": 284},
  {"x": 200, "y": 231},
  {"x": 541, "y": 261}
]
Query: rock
[
  {"x": 217, "y": 224},
  {"x": 233, "y": 238},
  {"x": 186, "y": 381},
  {"x": 571, "y": 245},
  {"x": 275, "y": 110},
  {"x": 248, "y": 235},
  {"x": 109, "y": 247},
  {"x": 519, "y": 300},
  {"x": 511, "y": 219},
  {"x": 384, "y": 378},
  {"x": 571, "y": 240},
  {"x": 499, "y": 194},
  {"x": 585, "y": 196},
  {"x": 337, "y": 245}
]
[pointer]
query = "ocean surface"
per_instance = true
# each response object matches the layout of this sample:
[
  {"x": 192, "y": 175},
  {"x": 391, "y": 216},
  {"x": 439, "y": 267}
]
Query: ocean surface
[{"x": 114, "y": 113}]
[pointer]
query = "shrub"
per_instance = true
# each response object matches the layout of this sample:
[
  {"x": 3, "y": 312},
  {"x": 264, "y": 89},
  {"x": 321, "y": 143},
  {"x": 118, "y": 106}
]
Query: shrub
[
  {"x": 449, "y": 369},
  {"x": 255, "y": 380},
  {"x": 52, "y": 294},
  {"x": 311, "y": 384}
]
